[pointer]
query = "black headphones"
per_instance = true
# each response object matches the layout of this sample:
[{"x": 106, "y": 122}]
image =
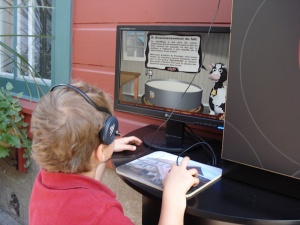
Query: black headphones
[{"x": 110, "y": 127}]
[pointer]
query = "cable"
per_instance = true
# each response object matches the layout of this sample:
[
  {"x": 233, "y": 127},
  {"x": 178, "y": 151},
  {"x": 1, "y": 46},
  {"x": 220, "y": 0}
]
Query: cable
[
  {"x": 172, "y": 112},
  {"x": 200, "y": 67},
  {"x": 199, "y": 139},
  {"x": 189, "y": 148}
]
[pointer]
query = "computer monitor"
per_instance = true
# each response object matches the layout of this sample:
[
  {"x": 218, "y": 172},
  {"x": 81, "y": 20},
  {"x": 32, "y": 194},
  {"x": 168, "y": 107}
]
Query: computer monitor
[{"x": 165, "y": 72}]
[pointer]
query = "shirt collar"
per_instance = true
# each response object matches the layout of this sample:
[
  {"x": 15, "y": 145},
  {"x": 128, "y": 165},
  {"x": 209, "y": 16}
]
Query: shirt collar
[{"x": 64, "y": 181}]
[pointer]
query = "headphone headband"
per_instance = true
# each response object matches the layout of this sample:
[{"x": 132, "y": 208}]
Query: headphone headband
[
  {"x": 83, "y": 95},
  {"x": 110, "y": 126}
]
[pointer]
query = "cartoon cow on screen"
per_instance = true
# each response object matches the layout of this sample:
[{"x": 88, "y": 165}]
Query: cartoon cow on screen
[{"x": 217, "y": 98}]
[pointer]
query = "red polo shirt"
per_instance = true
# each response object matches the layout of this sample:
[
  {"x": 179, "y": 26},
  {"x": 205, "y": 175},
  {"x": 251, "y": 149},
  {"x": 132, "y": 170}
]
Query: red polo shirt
[{"x": 59, "y": 198}]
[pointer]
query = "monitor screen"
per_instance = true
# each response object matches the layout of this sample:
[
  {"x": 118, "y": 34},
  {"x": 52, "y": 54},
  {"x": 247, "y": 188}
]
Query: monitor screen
[{"x": 177, "y": 73}]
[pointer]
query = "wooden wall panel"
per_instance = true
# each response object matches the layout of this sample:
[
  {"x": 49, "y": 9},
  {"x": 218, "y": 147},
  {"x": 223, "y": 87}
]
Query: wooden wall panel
[
  {"x": 94, "y": 44},
  {"x": 155, "y": 11},
  {"x": 101, "y": 77},
  {"x": 94, "y": 36},
  {"x": 129, "y": 122}
]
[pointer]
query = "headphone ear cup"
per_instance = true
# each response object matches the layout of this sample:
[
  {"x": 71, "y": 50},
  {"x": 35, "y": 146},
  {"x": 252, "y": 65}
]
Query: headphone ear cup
[{"x": 108, "y": 132}]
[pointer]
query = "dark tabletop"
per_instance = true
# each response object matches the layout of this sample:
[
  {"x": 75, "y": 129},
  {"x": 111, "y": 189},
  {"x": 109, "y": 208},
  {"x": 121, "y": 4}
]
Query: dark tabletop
[{"x": 226, "y": 199}]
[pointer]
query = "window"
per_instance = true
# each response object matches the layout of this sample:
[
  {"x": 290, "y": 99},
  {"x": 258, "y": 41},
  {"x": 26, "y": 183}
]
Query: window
[
  {"x": 35, "y": 44},
  {"x": 134, "y": 45}
]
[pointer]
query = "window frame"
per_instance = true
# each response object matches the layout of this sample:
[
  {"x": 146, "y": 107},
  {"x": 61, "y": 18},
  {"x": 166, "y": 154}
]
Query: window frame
[
  {"x": 60, "y": 54},
  {"x": 136, "y": 35}
]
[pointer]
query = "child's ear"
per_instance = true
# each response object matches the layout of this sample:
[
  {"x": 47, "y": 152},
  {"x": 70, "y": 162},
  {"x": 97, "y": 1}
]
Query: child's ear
[{"x": 99, "y": 152}]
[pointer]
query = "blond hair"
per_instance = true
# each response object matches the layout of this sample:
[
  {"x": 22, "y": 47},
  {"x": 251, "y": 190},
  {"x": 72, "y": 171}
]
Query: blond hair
[{"x": 66, "y": 127}]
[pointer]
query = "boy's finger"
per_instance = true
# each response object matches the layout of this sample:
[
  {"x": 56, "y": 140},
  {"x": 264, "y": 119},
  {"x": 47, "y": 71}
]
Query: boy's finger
[
  {"x": 194, "y": 172},
  {"x": 185, "y": 161},
  {"x": 196, "y": 181}
]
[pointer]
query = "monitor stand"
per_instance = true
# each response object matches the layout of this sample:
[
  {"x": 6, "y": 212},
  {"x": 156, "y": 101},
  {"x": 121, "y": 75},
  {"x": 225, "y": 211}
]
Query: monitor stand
[{"x": 169, "y": 139}]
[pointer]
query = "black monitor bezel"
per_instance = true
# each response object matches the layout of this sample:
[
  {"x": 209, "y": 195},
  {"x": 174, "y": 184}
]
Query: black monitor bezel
[{"x": 154, "y": 113}]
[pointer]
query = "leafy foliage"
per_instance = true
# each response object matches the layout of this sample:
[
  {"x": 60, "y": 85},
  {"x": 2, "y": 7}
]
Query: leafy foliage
[
  {"x": 13, "y": 128},
  {"x": 34, "y": 68}
]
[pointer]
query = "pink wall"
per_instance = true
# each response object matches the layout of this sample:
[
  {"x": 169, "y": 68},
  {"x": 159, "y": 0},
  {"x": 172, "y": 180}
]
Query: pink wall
[{"x": 94, "y": 36}]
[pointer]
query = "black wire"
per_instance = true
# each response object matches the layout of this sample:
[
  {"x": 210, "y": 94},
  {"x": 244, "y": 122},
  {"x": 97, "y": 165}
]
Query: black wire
[
  {"x": 189, "y": 148},
  {"x": 204, "y": 54},
  {"x": 209, "y": 149},
  {"x": 172, "y": 112}
]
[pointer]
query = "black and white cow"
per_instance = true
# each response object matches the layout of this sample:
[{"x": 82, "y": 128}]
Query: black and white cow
[{"x": 217, "y": 98}]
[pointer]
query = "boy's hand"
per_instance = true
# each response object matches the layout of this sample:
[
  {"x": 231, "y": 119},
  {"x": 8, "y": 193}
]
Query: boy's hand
[
  {"x": 180, "y": 179},
  {"x": 126, "y": 143}
]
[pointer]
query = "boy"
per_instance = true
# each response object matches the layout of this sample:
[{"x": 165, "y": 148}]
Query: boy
[{"x": 71, "y": 143}]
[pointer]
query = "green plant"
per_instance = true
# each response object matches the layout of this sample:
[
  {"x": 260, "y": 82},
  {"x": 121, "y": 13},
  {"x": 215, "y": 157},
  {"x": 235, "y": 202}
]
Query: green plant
[
  {"x": 17, "y": 64},
  {"x": 13, "y": 128},
  {"x": 24, "y": 66}
]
